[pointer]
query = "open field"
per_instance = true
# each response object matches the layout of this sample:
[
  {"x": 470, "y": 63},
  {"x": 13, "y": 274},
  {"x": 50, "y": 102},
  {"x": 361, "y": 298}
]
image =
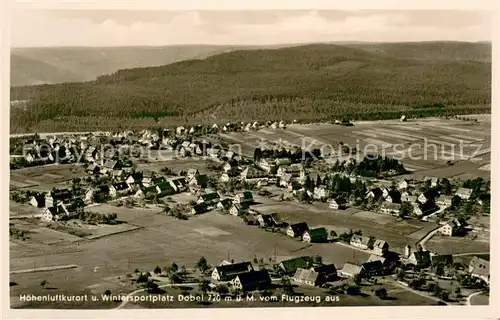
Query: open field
[
  {"x": 425, "y": 145},
  {"x": 44, "y": 178},
  {"x": 452, "y": 245},
  {"x": 165, "y": 240},
  {"x": 397, "y": 234}
]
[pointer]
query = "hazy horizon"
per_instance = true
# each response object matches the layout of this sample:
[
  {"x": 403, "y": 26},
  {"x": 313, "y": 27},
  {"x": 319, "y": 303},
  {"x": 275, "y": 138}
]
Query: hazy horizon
[{"x": 35, "y": 28}]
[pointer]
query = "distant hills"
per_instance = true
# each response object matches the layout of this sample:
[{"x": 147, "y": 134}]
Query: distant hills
[
  {"x": 31, "y": 66},
  {"x": 308, "y": 83}
]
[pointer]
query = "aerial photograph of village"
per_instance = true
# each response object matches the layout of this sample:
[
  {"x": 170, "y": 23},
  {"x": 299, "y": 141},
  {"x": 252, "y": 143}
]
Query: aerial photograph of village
[{"x": 317, "y": 168}]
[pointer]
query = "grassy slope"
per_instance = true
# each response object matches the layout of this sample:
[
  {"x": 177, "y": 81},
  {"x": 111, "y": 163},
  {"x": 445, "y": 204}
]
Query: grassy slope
[{"x": 305, "y": 82}]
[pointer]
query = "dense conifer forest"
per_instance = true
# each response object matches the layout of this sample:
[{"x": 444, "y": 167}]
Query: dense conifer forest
[{"x": 306, "y": 83}]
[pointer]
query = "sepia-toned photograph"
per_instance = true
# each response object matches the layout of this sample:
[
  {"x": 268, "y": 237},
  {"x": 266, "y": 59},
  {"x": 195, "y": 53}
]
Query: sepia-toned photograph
[{"x": 177, "y": 159}]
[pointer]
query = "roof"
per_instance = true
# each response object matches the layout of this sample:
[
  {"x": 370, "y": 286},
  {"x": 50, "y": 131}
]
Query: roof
[
  {"x": 476, "y": 262},
  {"x": 266, "y": 218},
  {"x": 441, "y": 259},
  {"x": 376, "y": 191},
  {"x": 306, "y": 275},
  {"x": 226, "y": 203},
  {"x": 350, "y": 268},
  {"x": 422, "y": 257},
  {"x": 111, "y": 164},
  {"x": 254, "y": 277},
  {"x": 246, "y": 195},
  {"x": 375, "y": 265},
  {"x": 73, "y": 205},
  {"x": 201, "y": 179},
  {"x": 136, "y": 176},
  {"x": 164, "y": 186},
  {"x": 200, "y": 208},
  {"x": 234, "y": 268},
  {"x": 241, "y": 206},
  {"x": 374, "y": 257},
  {"x": 325, "y": 269},
  {"x": 299, "y": 228},
  {"x": 291, "y": 265},
  {"x": 361, "y": 239},
  {"x": 464, "y": 191},
  {"x": 120, "y": 186},
  {"x": 210, "y": 196},
  {"x": 318, "y": 232},
  {"x": 158, "y": 180},
  {"x": 379, "y": 244},
  {"x": 192, "y": 171},
  {"x": 61, "y": 194}
]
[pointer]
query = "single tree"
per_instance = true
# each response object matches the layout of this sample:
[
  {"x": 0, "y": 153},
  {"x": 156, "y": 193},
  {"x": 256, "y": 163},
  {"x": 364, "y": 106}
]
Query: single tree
[
  {"x": 318, "y": 260},
  {"x": 202, "y": 265},
  {"x": 204, "y": 286},
  {"x": 222, "y": 289},
  {"x": 44, "y": 283},
  {"x": 381, "y": 293},
  {"x": 157, "y": 270},
  {"x": 107, "y": 292}
]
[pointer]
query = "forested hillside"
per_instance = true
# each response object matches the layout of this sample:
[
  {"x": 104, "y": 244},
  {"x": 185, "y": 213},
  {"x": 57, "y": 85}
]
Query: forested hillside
[
  {"x": 432, "y": 50},
  {"x": 308, "y": 83}
]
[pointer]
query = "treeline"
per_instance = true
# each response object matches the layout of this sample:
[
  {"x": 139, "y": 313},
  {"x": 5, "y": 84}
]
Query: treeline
[{"x": 309, "y": 82}]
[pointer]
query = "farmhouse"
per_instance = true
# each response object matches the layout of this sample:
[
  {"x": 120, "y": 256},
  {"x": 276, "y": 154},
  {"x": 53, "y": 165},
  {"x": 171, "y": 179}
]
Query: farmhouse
[
  {"x": 266, "y": 164},
  {"x": 464, "y": 193},
  {"x": 420, "y": 258},
  {"x": 372, "y": 268},
  {"x": 327, "y": 271},
  {"x": 146, "y": 193},
  {"x": 297, "y": 229},
  {"x": 452, "y": 228},
  {"x": 58, "y": 196},
  {"x": 164, "y": 189},
  {"x": 98, "y": 194},
  {"x": 179, "y": 184},
  {"x": 390, "y": 208},
  {"x": 119, "y": 189},
  {"x": 316, "y": 235},
  {"x": 93, "y": 169},
  {"x": 252, "y": 280},
  {"x": 290, "y": 266},
  {"x": 134, "y": 179},
  {"x": 403, "y": 184},
  {"x": 308, "y": 277},
  {"x": 199, "y": 208},
  {"x": 110, "y": 165},
  {"x": 380, "y": 247},
  {"x": 251, "y": 173},
  {"x": 422, "y": 209},
  {"x": 244, "y": 197},
  {"x": 209, "y": 199},
  {"x": 228, "y": 272},
  {"x": 224, "y": 204},
  {"x": 374, "y": 194},
  {"x": 361, "y": 242},
  {"x": 349, "y": 270},
  {"x": 479, "y": 267},
  {"x": 239, "y": 209},
  {"x": 337, "y": 204},
  {"x": 64, "y": 210},
  {"x": 199, "y": 181},
  {"x": 394, "y": 196},
  {"x": 38, "y": 200}
]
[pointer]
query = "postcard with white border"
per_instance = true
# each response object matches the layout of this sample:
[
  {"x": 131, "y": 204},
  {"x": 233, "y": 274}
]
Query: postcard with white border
[{"x": 215, "y": 159}]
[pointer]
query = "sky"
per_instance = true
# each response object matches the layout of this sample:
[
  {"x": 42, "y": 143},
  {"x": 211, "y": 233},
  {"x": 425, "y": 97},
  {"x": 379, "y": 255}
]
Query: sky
[{"x": 52, "y": 28}]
